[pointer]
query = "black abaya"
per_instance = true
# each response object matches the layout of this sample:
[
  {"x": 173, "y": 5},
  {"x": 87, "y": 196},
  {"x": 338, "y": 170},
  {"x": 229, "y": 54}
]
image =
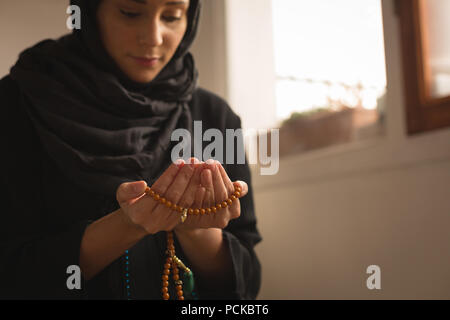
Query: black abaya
[{"x": 44, "y": 215}]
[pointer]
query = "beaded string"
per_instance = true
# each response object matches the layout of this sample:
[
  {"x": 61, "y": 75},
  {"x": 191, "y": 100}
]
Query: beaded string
[
  {"x": 127, "y": 274},
  {"x": 172, "y": 261},
  {"x": 236, "y": 194}
]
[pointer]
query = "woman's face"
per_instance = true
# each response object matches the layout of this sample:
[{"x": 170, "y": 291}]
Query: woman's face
[{"x": 134, "y": 32}]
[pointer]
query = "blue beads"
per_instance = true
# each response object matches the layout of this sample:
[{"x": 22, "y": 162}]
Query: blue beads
[{"x": 127, "y": 275}]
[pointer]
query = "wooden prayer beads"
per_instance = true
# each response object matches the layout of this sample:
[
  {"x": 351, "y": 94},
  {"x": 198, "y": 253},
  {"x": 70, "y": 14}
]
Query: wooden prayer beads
[
  {"x": 172, "y": 261},
  {"x": 195, "y": 211}
]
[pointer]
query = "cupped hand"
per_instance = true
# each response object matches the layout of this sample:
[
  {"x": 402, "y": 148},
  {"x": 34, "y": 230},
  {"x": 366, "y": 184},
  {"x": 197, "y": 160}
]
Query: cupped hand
[
  {"x": 190, "y": 185},
  {"x": 213, "y": 187},
  {"x": 148, "y": 213}
]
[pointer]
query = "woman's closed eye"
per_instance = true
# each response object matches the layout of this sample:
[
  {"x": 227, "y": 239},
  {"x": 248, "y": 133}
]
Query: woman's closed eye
[
  {"x": 172, "y": 19},
  {"x": 130, "y": 14}
]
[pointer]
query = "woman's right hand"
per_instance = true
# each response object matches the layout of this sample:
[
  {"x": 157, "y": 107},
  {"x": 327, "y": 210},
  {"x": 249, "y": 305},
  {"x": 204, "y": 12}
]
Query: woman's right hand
[{"x": 178, "y": 184}]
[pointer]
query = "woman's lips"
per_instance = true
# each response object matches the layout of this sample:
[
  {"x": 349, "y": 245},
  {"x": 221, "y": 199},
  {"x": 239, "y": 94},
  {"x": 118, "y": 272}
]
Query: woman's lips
[{"x": 146, "y": 62}]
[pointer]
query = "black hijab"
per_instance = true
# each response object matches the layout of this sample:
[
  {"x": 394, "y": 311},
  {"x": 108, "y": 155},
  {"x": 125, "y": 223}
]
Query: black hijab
[{"x": 99, "y": 127}]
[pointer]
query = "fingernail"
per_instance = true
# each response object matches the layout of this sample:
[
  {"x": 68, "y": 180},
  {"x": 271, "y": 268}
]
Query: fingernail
[
  {"x": 210, "y": 161},
  {"x": 179, "y": 163}
]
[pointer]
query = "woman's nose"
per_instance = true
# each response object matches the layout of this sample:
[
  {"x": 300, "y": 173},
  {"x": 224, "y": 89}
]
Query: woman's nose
[{"x": 151, "y": 35}]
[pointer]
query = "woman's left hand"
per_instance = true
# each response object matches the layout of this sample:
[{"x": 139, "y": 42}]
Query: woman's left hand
[{"x": 214, "y": 187}]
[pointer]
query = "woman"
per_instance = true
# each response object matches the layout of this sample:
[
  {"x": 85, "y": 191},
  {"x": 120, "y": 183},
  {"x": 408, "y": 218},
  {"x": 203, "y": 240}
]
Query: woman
[{"x": 89, "y": 121}]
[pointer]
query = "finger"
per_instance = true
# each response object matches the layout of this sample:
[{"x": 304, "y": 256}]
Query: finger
[
  {"x": 192, "y": 218},
  {"x": 206, "y": 181},
  {"x": 243, "y": 185},
  {"x": 220, "y": 192},
  {"x": 199, "y": 197},
  {"x": 164, "y": 181},
  {"x": 174, "y": 192},
  {"x": 235, "y": 209},
  {"x": 179, "y": 170},
  {"x": 178, "y": 186},
  {"x": 189, "y": 195},
  {"x": 192, "y": 197},
  {"x": 228, "y": 184},
  {"x": 194, "y": 160},
  {"x": 129, "y": 191}
]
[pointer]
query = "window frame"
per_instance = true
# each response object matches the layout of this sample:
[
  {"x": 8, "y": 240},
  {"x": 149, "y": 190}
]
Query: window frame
[
  {"x": 423, "y": 112},
  {"x": 392, "y": 152}
]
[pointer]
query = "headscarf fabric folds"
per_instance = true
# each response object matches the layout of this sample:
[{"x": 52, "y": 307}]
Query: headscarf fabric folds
[{"x": 100, "y": 128}]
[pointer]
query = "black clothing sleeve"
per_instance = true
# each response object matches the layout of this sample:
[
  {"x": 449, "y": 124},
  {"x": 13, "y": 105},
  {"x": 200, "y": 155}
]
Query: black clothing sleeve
[
  {"x": 33, "y": 257},
  {"x": 42, "y": 222},
  {"x": 241, "y": 235}
]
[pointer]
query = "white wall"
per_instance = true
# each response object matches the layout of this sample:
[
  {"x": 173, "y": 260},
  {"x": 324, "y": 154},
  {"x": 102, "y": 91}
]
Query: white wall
[
  {"x": 26, "y": 22},
  {"x": 233, "y": 60},
  {"x": 326, "y": 216},
  {"x": 250, "y": 59},
  {"x": 210, "y": 47}
]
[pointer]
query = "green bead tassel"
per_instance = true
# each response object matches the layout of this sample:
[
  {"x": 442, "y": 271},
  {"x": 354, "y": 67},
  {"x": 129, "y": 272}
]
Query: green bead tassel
[{"x": 188, "y": 284}]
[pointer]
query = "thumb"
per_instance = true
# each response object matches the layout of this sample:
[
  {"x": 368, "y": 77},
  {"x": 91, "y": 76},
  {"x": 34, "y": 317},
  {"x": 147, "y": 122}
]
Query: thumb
[{"x": 130, "y": 190}]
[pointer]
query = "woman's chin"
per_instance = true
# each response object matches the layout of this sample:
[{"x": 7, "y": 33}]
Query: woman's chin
[
  {"x": 142, "y": 77},
  {"x": 140, "y": 74}
]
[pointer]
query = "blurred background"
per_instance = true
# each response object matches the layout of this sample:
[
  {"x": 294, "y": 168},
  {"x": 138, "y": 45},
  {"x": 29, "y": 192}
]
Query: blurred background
[{"x": 353, "y": 188}]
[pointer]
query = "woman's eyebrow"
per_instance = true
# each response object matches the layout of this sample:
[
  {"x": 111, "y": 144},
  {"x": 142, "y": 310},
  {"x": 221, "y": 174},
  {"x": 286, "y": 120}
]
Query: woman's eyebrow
[
  {"x": 167, "y": 3},
  {"x": 175, "y": 3}
]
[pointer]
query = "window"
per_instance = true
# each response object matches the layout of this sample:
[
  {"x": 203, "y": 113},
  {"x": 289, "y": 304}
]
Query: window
[
  {"x": 330, "y": 72},
  {"x": 425, "y": 29},
  {"x": 436, "y": 26}
]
